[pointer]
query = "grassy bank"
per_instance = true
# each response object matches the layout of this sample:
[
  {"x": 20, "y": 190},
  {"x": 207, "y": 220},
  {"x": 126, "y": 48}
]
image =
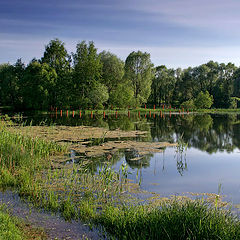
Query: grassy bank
[
  {"x": 8, "y": 227},
  {"x": 12, "y": 228},
  {"x": 172, "y": 220},
  {"x": 104, "y": 198},
  {"x": 77, "y": 112}
]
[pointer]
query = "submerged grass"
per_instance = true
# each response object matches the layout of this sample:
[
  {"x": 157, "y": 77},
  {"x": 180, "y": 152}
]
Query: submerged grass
[
  {"x": 8, "y": 227},
  {"x": 11, "y": 228},
  {"x": 104, "y": 198}
]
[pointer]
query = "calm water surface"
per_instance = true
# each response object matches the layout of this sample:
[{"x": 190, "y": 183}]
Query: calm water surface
[{"x": 212, "y": 156}]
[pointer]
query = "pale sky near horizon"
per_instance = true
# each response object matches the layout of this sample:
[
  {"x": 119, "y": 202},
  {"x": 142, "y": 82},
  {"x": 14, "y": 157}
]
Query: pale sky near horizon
[{"x": 177, "y": 33}]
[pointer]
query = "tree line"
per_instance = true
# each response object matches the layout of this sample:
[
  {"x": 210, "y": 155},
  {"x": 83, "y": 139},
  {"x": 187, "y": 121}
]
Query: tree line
[{"x": 88, "y": 79}]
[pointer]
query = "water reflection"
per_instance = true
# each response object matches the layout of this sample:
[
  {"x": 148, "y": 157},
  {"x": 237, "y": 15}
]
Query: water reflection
[{"x": 207, "y": 132}]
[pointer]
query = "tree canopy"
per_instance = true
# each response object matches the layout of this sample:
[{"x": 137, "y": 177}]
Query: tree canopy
[{"x": 88, "y": 79}]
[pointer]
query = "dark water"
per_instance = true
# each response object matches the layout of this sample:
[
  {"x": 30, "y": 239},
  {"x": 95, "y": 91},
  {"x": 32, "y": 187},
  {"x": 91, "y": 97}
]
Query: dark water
[{"x": 211, "y": 159}]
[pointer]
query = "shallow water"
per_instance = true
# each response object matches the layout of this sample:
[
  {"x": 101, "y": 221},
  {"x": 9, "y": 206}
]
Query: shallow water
[{"x": 54, "y": 225}]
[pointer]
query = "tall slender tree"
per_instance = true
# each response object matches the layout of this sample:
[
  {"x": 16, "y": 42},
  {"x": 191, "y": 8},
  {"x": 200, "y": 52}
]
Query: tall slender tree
[
  {"x": 139, "y": 73},
  {"x": 56, "y": 57},
  {"x": 87, "y": 71}
]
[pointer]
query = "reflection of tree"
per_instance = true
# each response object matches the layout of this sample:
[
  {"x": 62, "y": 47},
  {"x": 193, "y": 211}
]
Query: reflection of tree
[
  {"x": 181, "y": 157},
  {"x": 135, "y": 160},
  {"x": 92, "y": 163},
  {"x": 206, "y": 132}
]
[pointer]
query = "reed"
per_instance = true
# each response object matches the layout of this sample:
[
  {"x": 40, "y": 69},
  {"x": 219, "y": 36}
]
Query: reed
[{"x": 177, "y": 220}]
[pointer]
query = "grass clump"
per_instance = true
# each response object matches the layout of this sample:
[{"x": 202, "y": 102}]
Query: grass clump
[
  {"x": 12, "y": 228},
  {"x": 8, "y": 227},
  {"x": 22, "y": 156},
  {"x": 177, "y": 220}
]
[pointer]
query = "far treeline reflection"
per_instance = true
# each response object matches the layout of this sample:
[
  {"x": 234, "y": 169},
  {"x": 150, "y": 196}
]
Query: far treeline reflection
[
  {"x": 207, "y": 132},
  {"x": 89, "y": 79}
]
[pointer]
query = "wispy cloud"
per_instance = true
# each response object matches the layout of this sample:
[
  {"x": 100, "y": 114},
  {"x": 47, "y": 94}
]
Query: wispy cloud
[
  {"x": 28, "y": 47},
  {"x": 175, "y": 32}
]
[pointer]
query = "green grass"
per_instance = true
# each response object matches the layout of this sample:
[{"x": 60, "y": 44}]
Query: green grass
[
  {"x": 8, "y": 227},
  {"x": 177, "y": 220},
  {"x": 12, "y": 228},
  {"x": 22, "y": 156}
]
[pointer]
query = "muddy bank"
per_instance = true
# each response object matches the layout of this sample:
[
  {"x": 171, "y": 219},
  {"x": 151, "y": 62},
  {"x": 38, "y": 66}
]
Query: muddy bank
[{"x": 53, "y": 225}]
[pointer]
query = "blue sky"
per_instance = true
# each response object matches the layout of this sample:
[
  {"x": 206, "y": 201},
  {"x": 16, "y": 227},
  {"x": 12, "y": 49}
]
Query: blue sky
[{"x": 177, "y": 33}]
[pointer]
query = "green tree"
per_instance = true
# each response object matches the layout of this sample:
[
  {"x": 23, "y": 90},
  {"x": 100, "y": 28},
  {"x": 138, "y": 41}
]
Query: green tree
[
  {"x": 200, "y": 75},
  {"x": 112, "y": 71},
  {"x": 187, "y": 87},
  {"x": 120, "y": 93},
  {"x": 37, "y": 81},
  {"x": 98, "y": 95},
  {"x": 10, "y": 77},
  {"x": 122, "y": 96},
  {"x": 224, "y": 87},
  {"x": 188, "y": 104},
  {"x": 163, "y": 85},
  {"x": 56, "y": 57},
  {"x": 203, "y": 100},
  {"x": 212, "y": 75},
  {"x": 236, "y": 79},
  {"x": 87, "y": 71},
  {"x": 139, "y": 72}
]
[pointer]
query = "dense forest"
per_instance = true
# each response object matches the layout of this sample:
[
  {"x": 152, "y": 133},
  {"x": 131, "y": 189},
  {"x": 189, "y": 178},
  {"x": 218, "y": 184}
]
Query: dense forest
[{"x": 88, "y": 79}]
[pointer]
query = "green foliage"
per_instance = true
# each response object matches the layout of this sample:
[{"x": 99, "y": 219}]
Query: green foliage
[
  {"x": 98, "y": 95},
  {"x": 122, "y": 96},
  {"x": 189, "y": 104},
  {"x": 139, "y": 73},
  {"x": 10, "y": 83},
  {"x": 57, "y": 58},
  {"x": 38, "y": 85},
  {"x": 203, "y": 100},
  {"x": 61, "y": 80},
  {"x": 112, "y": 71},
  {"x": 87, "y": 70},
  {"x": 163, "y": 85}
]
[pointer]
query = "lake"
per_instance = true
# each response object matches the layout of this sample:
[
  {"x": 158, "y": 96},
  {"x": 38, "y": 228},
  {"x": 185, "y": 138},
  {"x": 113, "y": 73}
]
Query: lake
[{"x": 210, "y": 161}]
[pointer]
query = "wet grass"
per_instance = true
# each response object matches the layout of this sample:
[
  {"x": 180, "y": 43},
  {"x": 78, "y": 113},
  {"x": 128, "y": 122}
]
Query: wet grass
[
  {"x": 22, "y": 156},
  {"x": 104, "y": 198},
  {"x": 8, "y": 227},
  {"x": 177, "y": 220},
  {"x": 11, "y": 228}
]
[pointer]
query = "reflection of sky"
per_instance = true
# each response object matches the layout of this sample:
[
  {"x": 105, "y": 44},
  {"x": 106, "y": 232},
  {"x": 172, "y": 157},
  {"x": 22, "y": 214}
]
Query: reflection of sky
[{"x": 204, "y": 174}]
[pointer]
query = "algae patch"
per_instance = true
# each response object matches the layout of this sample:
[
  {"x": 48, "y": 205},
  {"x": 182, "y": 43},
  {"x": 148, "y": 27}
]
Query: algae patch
[{"x": 90, "y": 141}]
